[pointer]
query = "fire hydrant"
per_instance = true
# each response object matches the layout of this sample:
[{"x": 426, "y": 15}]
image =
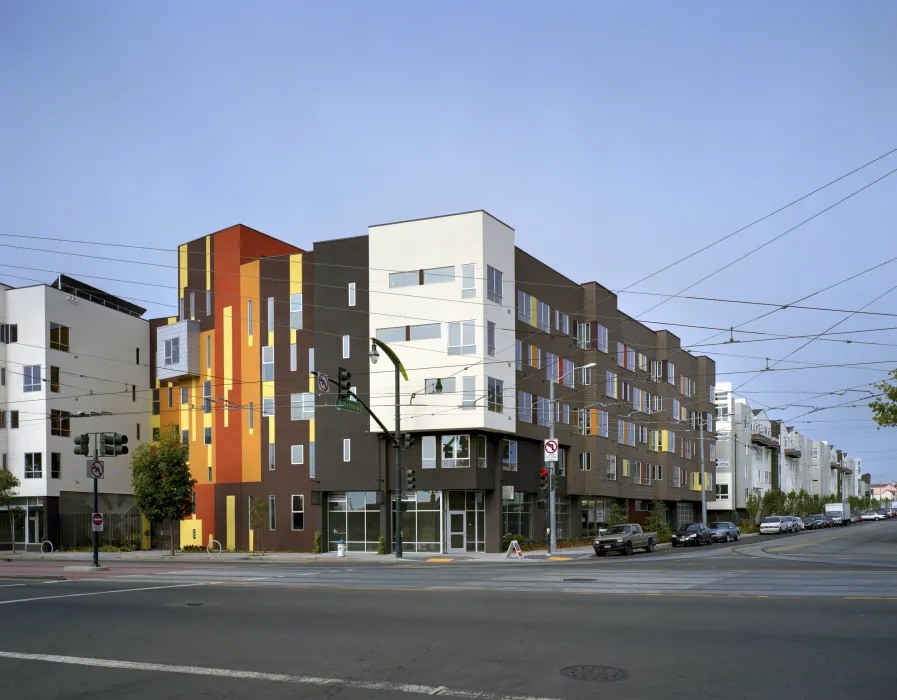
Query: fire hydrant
[{"x": 341, "y": 548}]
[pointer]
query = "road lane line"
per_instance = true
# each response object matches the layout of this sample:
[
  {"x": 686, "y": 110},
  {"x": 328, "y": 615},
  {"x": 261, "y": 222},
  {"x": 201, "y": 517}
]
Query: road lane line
[
  {"x": 11, "y": 585},
  {"x": 120, "y": 590},
  {"x": 440, "y": 690}
]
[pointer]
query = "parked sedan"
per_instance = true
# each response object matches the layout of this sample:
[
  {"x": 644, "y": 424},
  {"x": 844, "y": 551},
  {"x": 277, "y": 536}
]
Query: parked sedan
[
  {"x": 811, "y": 523},
  {"x": 856, "y": 518},
  {"x": 693, "y": 533},
  {"x": 773, "y": 525},
  {"x": 723, "y": 532},
  {"x": 872, "y": 515}
]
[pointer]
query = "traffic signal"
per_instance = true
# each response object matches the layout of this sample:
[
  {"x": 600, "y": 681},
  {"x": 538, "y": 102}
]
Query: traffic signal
[
  {"x": 410, "y": 478},
  {"x": 344, "y": 385},
  {"x": 82, "y": 445},
  {"x": 543, "y": 479},
  {"x": 114, "y": 444},
  {"x": 407, "y": 441}
]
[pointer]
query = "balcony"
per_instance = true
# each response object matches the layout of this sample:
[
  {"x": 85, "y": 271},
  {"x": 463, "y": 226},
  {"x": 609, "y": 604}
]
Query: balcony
[
  {"x": 177, "y": 350},
  {"x": 792, "y": 452},
  {"x": 763, "y": 440}
]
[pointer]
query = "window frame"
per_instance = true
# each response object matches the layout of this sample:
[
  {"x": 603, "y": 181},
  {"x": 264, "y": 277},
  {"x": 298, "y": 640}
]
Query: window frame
[
  {"x": 294, "y": 512},
  {"x": 296, "y": 310},
  {"x": 455, "y": 441}
]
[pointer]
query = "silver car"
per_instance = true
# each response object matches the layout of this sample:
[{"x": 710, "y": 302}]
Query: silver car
[{"x": 723, "y": 532}]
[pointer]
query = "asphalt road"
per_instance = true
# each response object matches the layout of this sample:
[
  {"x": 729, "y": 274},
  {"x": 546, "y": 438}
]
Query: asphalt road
[{"x": 810, "y": 615}]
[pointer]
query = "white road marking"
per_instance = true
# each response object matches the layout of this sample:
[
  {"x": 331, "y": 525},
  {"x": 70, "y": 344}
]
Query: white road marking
[
  {"x": 120, "y": 590},
  {"x": 439, "y": 690},
  {"x": 11, "y": 585}
]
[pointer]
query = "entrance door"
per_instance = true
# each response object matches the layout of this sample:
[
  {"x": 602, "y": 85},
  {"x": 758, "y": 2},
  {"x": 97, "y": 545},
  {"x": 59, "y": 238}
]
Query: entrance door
[{"x": 457, "y": 542}]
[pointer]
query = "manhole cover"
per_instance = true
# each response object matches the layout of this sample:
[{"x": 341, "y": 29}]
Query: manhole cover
[
  {"x": 580, "y": 580},
  {"x": 601, "y": 674}
]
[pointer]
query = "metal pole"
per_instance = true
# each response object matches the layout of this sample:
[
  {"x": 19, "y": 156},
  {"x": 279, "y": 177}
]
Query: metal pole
[
  {"x": 398, "y": 448},
  {"x": 96, "y": 502},
  {"x": 703, "y": 475},
  {"x": 552, "y": 512}
]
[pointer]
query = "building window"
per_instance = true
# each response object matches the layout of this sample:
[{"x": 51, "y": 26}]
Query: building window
[
  {"x": 251, "y": 415},
  {"x": 468, "y": 392},
  {"x": 583, "y": 335},
  {"x": 438, "y": 275},
  {"x": 610, "y": 384},
  {"x": 455, "y": 451},
  {"x": 302, "y": 406},
  {"x": 207, "y": 396},
  {"x": 9, "y": 333},
  {"x": 271, "y": 456},
  {"x": 54, "y": 379},
  {"x": 603, "y": 424},
  {"x": 468, "y": 281},
  {"x": 55, "y": 465},
  {"x": 404, "y": 279},
  {"x": 31, "y": 378},
  {"x": 462, "y": 338},
  {"x": 481, "y": 451},
  {"x": 206, "y": 436},
  {"x": 509, "y": 455},
  {"x": 34, "y": 465},
  {"x": 170, "y": 396},
  {"x": 270, "y": 314},
  {"x": 543, "y": 316},
  {"x": 439, "y": 386},
  {"x": 346, "y": 347},
  {"x": 542, "y": 411},
  {"x": 209, "y": 351},
  {"x": 208, "y": 302},
  {"x": 518, "y": 351},
  {"x": 272, "y": 514},
  {"x": 296, "y": 312},
  {"x": 59, "y": 337},
  {"x": 494, "y": 284},
  {"x": 156, "y": 432},
  {"x": 424, "y": 331},
  {"x": 600, "y": 338},
  {"x": 60, "y": 423},
  {"x": 297, "y": 510},
  {"x": 267, "y": 407},
  {"x": 585, "y": 461},
  {"x": 490, "y": 338},
  {"x": 495, "y": 395},
  {"x": 294, "y": 359},
  {"x": 156, "y": 402},
  {"x": 3, "y": 377},
  {"x": 612, "y": 467},
  {"x": 351, "y": 294},
  {"x": 311, "y": 460},
  {"x": 249, "y": 318},
  {"x": 585, "y": 375},
  {"x": 347, "y": 449},
  {"x": 524, "y": 407},
  {"x": 297, "y": 454},
  {"x": 428, "y": 452},
  {"x": 172, "y": 351},
  {"x": 722, "y": 491},
  {"x": 268, "y": 363}
]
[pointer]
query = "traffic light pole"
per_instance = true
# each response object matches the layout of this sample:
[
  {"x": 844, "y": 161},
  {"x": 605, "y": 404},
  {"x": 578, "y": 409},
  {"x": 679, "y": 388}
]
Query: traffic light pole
[
  {"x": 397, "y": 436},
  {"x": 552, "y": 480},
  {"x": 96, "y": 501}
]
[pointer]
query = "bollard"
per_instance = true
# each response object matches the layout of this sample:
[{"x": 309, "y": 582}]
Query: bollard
[{"x": 341, "y": 548}]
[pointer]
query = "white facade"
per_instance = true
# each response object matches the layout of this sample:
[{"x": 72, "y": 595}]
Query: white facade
[
  {"x": 100, "y": 372},
  {"x": 427, "y": 298}
]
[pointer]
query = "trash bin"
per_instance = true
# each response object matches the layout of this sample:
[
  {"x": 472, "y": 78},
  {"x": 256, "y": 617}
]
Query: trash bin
[{"x": 341, "y": 548}]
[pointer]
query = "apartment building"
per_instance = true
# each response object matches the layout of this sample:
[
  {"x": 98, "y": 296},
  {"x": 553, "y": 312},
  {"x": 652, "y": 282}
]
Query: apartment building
[
  {"x": 482, "y": 329},
  {"x": 73, "y": 359}
]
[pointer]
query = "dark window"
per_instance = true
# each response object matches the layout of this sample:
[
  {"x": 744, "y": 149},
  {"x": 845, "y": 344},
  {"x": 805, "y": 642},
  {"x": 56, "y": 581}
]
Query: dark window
[
  {"x": 9, "y": 333},
  {"x": 55, "y": 464},
  {"x": 59, "y": 337},
  {"x": 54, "y": 379},
  {"x": 156, "y": 402}
]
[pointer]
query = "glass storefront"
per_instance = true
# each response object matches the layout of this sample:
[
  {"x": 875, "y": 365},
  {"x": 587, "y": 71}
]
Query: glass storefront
[
  {"x": 27, "y": 522},
  {"x": 517, "y": 515},
  {"x": 594, "y": 513},
  {"x": 467, "y": 508},
  {"x": 355, "y": 518},
  {"x": 562, "y": 516},
  {"x": 421, "y": 521}
]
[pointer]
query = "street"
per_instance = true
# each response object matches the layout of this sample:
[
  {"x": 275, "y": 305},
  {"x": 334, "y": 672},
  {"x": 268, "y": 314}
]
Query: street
[{"x": 803, "y": 615}]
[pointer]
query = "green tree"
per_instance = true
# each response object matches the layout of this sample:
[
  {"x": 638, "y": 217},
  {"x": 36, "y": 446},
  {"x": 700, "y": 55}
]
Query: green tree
[
  {"x": 753, "y": 507},
  {"x": 617, "y": 515},
  {"x": 258, "y": 519},
  {"x": 657, "y": 519},
  {"x": 884, "y": 408},
  {"x": 791, "y": 503},
  {"x": 9, "y": 482},
  {"x": 160, "y": 477}
]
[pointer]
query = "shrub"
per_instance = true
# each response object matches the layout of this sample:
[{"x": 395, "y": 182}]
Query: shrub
[
  {"x": 317, "y": 547},
  {"x": 381, "y": 545}
]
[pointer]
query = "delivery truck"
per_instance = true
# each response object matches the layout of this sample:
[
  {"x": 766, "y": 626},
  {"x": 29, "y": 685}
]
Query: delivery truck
[{"x": 839, "y": 513}]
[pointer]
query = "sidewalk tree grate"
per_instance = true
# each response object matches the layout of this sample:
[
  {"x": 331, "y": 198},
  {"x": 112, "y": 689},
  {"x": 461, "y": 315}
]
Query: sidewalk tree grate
[{"x": 598, "y": 674}]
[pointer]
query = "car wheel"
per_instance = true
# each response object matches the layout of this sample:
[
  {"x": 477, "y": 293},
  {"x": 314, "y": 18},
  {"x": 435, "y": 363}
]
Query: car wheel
[
  {"x": 726, "y": 539},
  {"x": 650, "y": 547},
  {"x": 628, "y": 550}
]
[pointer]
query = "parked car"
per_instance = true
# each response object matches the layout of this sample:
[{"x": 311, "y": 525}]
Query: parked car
[
  {"x": 820, "y": 521},
  {"x": 624, "y": 539},
  {"x": 885, "y": 512},
  {"x": 693, "y": 533},
  {"x": 829, "y": 521},
  {"x": 773, "y": 525},
  {"x": 811, "y": 523},
  {"x": 872, "y": 515},
  {"x": 856, "y": 518},
  {"x": 723, "y": 532},
  {"x": 798, "y": 523}
]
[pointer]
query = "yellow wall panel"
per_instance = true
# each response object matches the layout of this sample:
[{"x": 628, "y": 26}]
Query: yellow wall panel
[
  {"x": 182, "y": 269},
  {"x": 191, "y": 532}
]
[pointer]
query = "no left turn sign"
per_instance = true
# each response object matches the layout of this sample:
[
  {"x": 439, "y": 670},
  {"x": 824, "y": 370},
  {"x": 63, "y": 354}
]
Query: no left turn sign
[
  {"x": 551, "y": 450},
  {"x": 323, "y": 382}
]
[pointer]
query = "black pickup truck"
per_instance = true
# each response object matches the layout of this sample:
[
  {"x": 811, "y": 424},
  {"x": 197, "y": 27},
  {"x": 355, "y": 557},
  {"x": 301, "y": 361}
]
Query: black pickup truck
[{"x": 624, "y": 539}]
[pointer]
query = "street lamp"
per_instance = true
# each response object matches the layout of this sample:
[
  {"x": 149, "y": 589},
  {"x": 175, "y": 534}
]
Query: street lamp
[
  {"x": 552, "y": 482},
  {"x": 396, "y": 435}
]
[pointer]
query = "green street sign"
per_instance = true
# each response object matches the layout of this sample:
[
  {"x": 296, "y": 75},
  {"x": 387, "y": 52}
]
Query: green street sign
[{"x": 349, "y": 405}]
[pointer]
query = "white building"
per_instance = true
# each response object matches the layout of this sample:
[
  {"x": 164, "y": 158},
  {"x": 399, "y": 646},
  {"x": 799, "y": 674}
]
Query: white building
[{"x": 73, "y": 360}]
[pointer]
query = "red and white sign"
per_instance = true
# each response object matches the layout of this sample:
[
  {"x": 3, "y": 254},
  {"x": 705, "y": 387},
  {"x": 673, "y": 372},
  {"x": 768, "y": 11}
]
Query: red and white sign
[
  {"x": 95, "y": 469},
  {"x": 551, "y": 450},
  {"x": 96, "y": 520},
  {"x": 323, "y": 382}
]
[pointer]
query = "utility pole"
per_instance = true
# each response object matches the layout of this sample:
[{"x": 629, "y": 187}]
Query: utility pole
[
  {"x": 397, "y": 438},
  {"x": 703, "y": 475},
  {"x": 552, "y": 480},
  {"x": 96, "y": 501}
]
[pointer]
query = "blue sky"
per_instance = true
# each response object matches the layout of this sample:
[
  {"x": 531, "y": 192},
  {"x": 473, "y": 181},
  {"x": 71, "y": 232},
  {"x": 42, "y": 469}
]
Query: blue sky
[{"x": 631, "y": 134}]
